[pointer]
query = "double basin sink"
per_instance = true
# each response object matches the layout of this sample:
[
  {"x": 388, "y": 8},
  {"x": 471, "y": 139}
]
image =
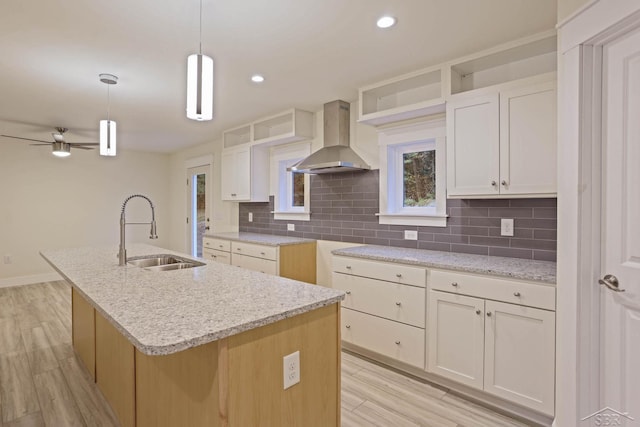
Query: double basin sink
[{"x": 163, "y": 262}]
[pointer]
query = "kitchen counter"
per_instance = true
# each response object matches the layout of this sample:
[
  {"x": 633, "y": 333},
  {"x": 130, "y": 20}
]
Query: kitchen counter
[
  {"x": 262, "y": 239},
  {"x": 516, "y": 268},
  {"x": 163, "y": 312}
]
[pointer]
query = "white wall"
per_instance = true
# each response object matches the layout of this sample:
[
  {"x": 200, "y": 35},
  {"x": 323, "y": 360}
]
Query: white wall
[
  {"x": 567, "y": 7},
  {"x": 48, "y": 202}
]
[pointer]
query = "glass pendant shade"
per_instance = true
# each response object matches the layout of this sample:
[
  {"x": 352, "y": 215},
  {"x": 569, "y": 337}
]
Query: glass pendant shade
[
  {"x": 199, "y": 87},
  {"x": 107, "y": 138},
  {"x": 61, "y": 149}
]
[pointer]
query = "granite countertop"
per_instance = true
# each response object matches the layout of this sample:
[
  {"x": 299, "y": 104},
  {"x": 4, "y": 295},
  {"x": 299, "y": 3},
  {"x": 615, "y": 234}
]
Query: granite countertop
[
  {"x": 516, "y": 268},
  {"x": 261, "y": 239},
  {"x": 163, "y": 312}
]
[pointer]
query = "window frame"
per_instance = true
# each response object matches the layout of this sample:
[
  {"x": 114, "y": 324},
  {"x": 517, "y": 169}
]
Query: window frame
[
  {"x": 283, "y": 157},
  {"x": 394, "y": 142}
]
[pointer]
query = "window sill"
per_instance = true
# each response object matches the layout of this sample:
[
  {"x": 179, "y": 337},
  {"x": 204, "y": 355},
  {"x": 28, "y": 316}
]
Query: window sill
[
  {"x": 408, "y": 219},
  {"x": 292, "y": 216}
]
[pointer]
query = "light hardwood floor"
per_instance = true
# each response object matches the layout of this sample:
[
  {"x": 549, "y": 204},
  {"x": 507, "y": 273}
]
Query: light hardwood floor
[{"x": 43, "y": 384}]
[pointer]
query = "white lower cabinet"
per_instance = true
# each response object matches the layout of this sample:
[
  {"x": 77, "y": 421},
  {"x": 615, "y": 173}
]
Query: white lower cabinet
[
  {"x": 217, "y": 255},
  {"x": 507, "y": 350},
  {"x": 386, "y": 337},
  {"x": 257, "y": 264}
]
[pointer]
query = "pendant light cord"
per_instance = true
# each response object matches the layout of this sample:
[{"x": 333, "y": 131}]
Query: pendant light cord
[
  {"x": 200, "y": 27},
  {"x": 108, "y": 103}
]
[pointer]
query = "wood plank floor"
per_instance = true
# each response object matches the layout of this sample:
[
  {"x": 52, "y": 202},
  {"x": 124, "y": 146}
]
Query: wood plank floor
[{"x": 43, "y": 384}]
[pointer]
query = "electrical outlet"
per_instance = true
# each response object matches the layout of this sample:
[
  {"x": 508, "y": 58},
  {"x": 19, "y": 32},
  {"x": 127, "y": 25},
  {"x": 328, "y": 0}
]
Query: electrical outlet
[
  {"x": 291, "y": 369},
  {"x": 506, "y": 227},
  {"x": 410, "y": 235},
  {"x": 7, "y": 259},
  {"x": 291, "y": 227},
  {"x": 250, "y": 216}
]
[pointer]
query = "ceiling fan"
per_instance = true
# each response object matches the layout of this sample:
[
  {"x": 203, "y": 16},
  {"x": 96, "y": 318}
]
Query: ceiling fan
[{"x": 61, "y": 148}]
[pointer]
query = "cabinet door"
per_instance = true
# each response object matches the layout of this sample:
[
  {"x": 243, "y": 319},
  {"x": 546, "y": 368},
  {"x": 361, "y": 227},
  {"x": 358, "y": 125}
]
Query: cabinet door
[
  {"x": 520, "y": 355},
  {"x": 528, "y": 140},
  {"x": 236, "y": 174},
  {"x": 455, "y": 330},
  {"x": 473, "y": 146}
]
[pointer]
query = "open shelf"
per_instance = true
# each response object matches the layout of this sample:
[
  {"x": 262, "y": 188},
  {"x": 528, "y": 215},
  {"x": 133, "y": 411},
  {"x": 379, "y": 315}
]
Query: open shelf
[
  {"x": 237, "y": 136},
  {"x": 535, "y": 57},
  {"x": 290, "y": 126},
  {"x": 405, "y": 97}
]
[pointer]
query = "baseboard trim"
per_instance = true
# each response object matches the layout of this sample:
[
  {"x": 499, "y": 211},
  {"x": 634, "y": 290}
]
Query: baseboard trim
[{"x": 29, "y": 280}]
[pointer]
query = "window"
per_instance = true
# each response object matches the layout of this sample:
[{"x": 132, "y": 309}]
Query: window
[
  {"x": 290, "y": 189},
  {"x": 412, "y": 175}
]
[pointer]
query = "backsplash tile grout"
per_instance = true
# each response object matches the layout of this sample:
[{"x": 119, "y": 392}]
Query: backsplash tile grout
[{"x": 343, "y": 208}]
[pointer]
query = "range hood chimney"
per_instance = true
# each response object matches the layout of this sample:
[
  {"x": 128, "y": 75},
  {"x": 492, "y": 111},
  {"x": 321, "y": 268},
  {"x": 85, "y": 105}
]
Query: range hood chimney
[{"x": 335, "y": 155}]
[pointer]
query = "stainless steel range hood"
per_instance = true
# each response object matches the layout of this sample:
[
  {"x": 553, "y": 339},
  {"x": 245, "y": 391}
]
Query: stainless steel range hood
[{"x": 335, "y": 155}]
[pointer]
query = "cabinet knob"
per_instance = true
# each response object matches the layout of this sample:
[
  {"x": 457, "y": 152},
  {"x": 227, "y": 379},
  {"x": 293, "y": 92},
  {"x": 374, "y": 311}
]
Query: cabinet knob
[
  {"x": 214, "y": 256},
  {"x": 478, "y": 312},
  {"x": 504, "y": 182},
  {"x": 398, "y": 303},
  {"x": 454, "y": 284},
  {"x": 238, "y": 249},
  {"x": 220, "y": 246},
  {"x": 262, "y": 253},
  {"x": 348, "y": 326},
  {"x": 233, "y": 194},
  {"x": 493, "y": 183},
  {"x": 516, "y": 294},
  {"x": 348, "y": 292},
  {"x": 397, "y": 342},
  {"x": 398, "y": 275},
  {"x": 489, "y": 313},
  {"x": 348, "y": 267}
]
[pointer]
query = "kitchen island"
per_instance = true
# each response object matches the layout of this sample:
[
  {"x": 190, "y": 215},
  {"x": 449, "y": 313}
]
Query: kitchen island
[{"x": 204, "y": 345}]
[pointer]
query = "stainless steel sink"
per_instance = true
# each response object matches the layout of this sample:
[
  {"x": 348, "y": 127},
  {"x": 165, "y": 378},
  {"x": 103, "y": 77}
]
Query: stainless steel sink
[{"x": 163, "y": 262}]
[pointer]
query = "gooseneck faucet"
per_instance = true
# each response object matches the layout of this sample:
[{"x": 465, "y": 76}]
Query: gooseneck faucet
[{"x": 122, "y": 253}]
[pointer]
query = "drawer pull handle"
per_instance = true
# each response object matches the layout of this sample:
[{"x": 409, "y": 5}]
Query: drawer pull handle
[
  {"x": 214, "y": 256},
  {"x": 233, "y": 194},
  {"x": 516, "y": 294},
  {"x": 478, "y": 312},
  {"x": 397, "y": 342},
  {"x": 398, "y": 275},
  {"x": 238, "y": 249},
  {"x": 489, "y": 313},
  {"x": 262, "y": 253},
  {"x": 220, "y": 246},
  {"x": 398, "y": 304},
  {"x": 454, "y": 284},
  {"x": 348, "y": 267},
  {"x": 348, "y": 292},
  {"x": 348, "y": 326}
]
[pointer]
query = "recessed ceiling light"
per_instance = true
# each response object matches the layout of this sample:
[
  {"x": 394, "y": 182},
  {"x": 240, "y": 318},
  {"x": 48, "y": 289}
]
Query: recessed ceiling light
[
  {"x": 386, "y": 22},
  {"x": 257, "y": 78}
]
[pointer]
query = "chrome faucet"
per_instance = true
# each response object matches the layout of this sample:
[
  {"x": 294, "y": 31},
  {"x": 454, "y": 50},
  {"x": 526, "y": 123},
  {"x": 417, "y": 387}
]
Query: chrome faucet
[{"x": 122, "y": 253}]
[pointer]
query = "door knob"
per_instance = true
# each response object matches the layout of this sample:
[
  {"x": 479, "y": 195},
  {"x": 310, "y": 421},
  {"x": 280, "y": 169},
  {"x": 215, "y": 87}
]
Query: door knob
[{"x": 611, "y": 282}]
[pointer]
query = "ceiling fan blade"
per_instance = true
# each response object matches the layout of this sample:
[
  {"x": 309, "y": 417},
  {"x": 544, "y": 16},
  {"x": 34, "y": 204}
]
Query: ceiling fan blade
[
  {"x": 41, "y": 144},
  {"x": 83, "y": 143},
  {"x": 26, "y": 139},
  {"x": 81, "y": 147}
]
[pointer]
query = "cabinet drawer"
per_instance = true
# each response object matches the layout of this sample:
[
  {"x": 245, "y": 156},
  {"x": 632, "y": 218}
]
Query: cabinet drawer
[
  {"x": 219, "y": 256},
  {"x": 255, "y": 264},
  {"x": 257, "y": 251},
  {"x": 217, "y": 244},
  {"x": 392, "y": 339},
  {"x": 398, "y": 273},
  {"x": 512, "y": 291},
  {"x": 393, "y": 301}
]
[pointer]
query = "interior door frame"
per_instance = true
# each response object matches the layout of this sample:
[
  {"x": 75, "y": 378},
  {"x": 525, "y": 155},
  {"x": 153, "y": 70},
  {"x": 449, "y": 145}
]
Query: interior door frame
[
  {"x": 580, "y": 42},
  {"x": 206, "y": 160}
]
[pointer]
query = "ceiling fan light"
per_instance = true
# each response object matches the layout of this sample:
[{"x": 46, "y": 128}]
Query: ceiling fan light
[
  {"x": 107, "y": 138},
  {"x": 61, "y": 149},
  {"x": 199, "y": 87}
]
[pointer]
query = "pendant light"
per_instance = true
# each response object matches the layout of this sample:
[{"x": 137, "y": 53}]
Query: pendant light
[
  {"x": 108, "y": 127},
  {"x": 200, "y": 83}
]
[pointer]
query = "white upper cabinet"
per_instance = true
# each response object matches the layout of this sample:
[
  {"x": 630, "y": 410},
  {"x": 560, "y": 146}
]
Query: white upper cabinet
[
  {"x": 289, "y": 126},
  {"x": 245, "y": 174},
  {"x": 503, "y": 143}
]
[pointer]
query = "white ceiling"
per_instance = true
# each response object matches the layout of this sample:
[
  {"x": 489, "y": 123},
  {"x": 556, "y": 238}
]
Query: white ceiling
[{"x": 310, "y": 51}]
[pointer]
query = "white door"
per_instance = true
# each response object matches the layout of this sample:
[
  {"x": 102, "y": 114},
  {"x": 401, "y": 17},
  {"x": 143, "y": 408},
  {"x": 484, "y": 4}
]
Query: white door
[
  {"x": 620, "y": 248},
  {"x": 456, "y": 337},
  {"x": 519, "y": 356},
  {"x": 199, "y": 200},
  {"x": 473, "y": 146},
  {"x": 528, "y": 140}
]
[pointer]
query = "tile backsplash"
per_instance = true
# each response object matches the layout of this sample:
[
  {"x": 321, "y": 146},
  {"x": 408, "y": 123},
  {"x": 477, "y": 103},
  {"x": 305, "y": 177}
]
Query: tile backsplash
[{"x": 343, "y": 208}]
